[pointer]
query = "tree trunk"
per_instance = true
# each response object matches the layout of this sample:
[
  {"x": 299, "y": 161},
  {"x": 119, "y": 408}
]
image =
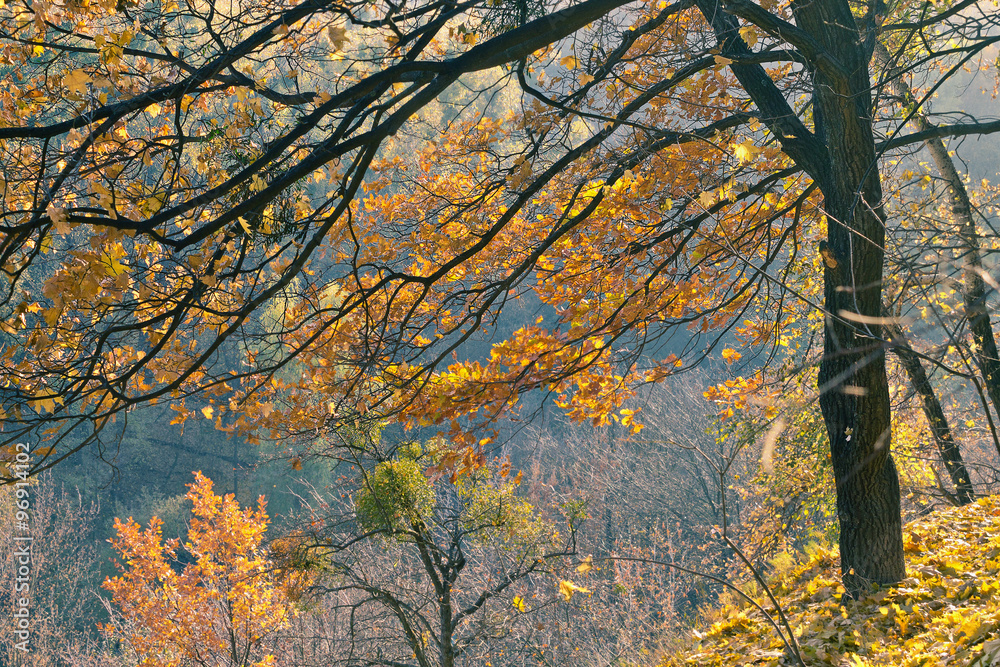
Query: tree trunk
[
  {"x": 973, "y": 287},
  {"x": 840, "y": 156},
  {"x": 946, "y": 445},
  {"x": 854, "y": 391}
]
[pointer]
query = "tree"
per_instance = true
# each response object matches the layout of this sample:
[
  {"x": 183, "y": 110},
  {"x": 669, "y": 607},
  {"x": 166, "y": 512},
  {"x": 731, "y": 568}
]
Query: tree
[
  {"x": 169, "y": 171},
  {"x": 964, "y": 214},
  {"x": 934, "y": 413},
  {"x": 408, "y": 571},
  {"x": 59, "y": 581},
  {"x": 217, "y": 602}
]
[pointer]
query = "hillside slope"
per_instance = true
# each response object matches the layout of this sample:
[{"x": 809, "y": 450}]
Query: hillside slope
[{"x": 947, "y": 611}]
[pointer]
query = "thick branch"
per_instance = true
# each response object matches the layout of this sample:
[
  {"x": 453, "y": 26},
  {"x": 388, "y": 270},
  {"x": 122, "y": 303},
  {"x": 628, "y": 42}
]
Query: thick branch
[{"x": 950, "y": 453}]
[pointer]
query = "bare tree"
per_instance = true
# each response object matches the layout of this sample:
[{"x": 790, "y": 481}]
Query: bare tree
[
  {"x": 414, "y": 572},
  {"x": 62, "y": 583}
]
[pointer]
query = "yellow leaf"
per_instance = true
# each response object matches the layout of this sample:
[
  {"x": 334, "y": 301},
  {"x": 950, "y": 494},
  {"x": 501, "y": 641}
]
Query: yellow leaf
[
  {"x": 76, "y": 81},
  {"x": 745, "y": 151},
  {"x": 51, "y": 315},
  {"x": 59, "y": 219},
  {"x": 720, "y": 60},
  {"x": 44, "y": 404},
  {"x": 586, "y": 566},
  {"x": 518, "y": 603},
  {"x": 569, "y": 62},
  {"x": 208, "y": 411},
  {"x": 117, "y": 267},
  {"x": 568, "y": 588},
  {"x": 338, "y": 36}
]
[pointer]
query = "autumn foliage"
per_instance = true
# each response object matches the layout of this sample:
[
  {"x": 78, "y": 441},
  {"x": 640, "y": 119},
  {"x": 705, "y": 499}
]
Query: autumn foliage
[
  {"x": 292, "y": 217},
  {"x": 220, "y": 608},
  {"x": 943, "y": 613}
]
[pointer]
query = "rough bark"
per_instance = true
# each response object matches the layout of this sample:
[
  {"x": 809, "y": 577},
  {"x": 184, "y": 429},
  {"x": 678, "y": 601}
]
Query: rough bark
[
  {"x": 973, "y": 286},
  {"x": 854, "y": 392},
  {"x": 840, "y": 156},
  {"x": 947, "y": 447}
]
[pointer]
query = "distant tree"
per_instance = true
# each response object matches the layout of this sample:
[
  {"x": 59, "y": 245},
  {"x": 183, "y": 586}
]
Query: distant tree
[
  {"x": 215, "y": 601},
  {"x": 958, "y": 233},
  {"x": 63, "y": 581},
  {"x": 666, "y": 475},
  {"x": 410, "y": 571}
]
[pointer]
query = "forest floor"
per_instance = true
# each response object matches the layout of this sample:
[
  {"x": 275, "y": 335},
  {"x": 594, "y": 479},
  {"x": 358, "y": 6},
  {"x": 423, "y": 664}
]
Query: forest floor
[{"x": 946, "y": 612}]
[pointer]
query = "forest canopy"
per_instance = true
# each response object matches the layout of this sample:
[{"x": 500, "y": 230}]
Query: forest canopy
[{"x": 289, "y": 218}]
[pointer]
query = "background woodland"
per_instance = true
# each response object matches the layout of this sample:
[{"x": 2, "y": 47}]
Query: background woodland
[{"x": 469, "y": 333}]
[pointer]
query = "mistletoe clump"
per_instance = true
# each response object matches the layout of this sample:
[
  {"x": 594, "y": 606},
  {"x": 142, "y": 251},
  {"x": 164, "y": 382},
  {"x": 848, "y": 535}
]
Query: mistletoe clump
[{"x": 396, "y": 497}]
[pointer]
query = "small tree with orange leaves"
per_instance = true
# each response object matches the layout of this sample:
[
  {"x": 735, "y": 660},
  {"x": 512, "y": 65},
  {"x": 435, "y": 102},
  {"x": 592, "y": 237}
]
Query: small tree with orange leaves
[{"x": 220, "y": 608}]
